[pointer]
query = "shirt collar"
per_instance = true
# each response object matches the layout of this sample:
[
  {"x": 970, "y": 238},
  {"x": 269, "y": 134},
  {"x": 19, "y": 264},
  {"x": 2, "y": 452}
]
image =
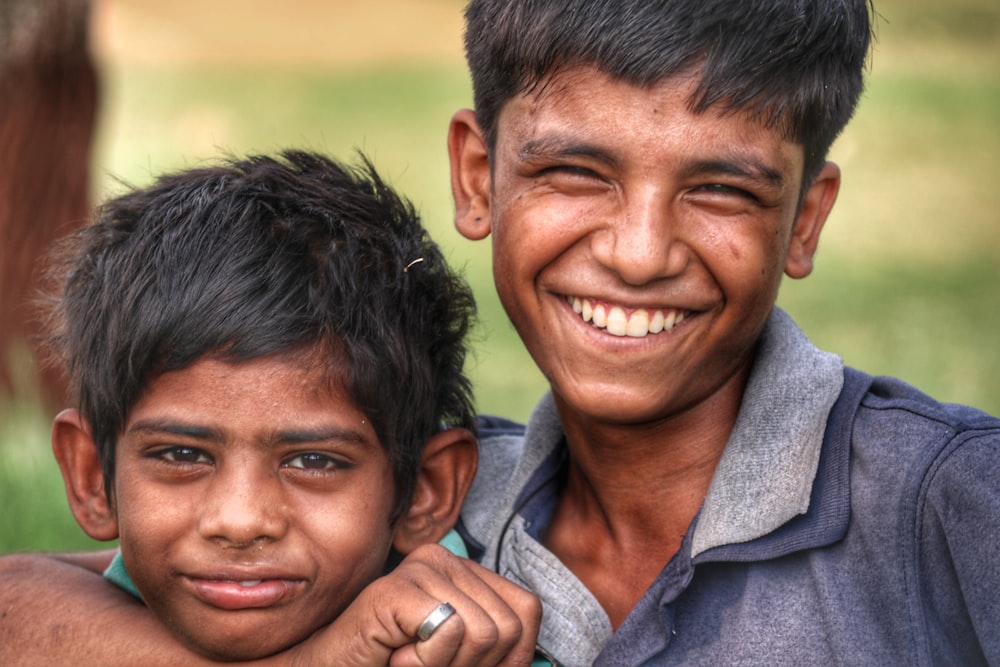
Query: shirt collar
[{"x": 765, "y": 476}]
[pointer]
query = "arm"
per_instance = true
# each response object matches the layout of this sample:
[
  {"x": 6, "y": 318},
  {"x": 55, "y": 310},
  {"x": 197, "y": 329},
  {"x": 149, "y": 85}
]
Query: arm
[
  {"x": 55, "y": 613},
  {"x": 495, "y": 623},
  {"x": 960, "y": 574}
]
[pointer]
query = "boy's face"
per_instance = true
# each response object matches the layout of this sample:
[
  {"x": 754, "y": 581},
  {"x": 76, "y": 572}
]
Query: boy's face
[
  {"x": 638, "y": 247},
  {"x": 254, "y": 503}
]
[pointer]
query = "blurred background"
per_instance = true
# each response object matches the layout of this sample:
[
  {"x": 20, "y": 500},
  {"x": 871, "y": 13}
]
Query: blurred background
[{"x": 907, "y": 280}]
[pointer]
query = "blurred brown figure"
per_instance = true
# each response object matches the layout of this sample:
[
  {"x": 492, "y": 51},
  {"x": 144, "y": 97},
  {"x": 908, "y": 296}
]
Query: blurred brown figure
[{"x": 48, "y": 107}]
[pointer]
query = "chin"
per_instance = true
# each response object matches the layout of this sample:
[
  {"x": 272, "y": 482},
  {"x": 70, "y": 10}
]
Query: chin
[
  {"x": 232, "y": 653},
  {"x": 224, "y": 648},
  {"x": 611, "y": 405}
]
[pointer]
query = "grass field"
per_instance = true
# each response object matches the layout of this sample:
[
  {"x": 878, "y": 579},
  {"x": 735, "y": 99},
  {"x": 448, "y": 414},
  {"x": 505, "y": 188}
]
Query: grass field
[{"x": 908, "y": 277}]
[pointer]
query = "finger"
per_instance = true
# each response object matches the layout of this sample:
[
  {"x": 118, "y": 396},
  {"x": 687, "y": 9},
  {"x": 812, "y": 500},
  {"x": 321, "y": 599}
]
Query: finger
[
  {"x": 434, "y": 620},
  {"x": 528, "y": 611},
  {"x": 469, "y": 634},
  {"x": 381, "y": 620},
  {"x": 520, "y": 628},
  {"x": 490, "y": 625},
  {"x": 494, "y": 611},
  {"x": 439, "y": 649}
]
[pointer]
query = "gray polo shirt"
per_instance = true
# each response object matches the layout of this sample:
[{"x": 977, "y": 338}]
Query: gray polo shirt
[{"x": 851, "y": 523}]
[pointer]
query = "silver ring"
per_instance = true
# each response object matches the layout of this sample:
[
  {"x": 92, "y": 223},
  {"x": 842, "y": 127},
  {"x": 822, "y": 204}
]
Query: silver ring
[{"x": 435, "y": 620}]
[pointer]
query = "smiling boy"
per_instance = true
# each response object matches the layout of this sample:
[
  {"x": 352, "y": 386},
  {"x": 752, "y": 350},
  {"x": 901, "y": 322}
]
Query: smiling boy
[
  {"x": 267, "y": 357},
  {"x": 708, "y": 488},
  {"x": 702, "y": 486}
]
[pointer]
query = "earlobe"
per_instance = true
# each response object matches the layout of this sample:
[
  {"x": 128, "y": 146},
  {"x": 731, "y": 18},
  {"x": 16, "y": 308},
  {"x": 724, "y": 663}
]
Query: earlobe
[
  {"x": 83, "y": 478},
  {"x": 470, "y": 175},
  {"x": 447, "y": 468},
  {"x": 813, "y": 213}
]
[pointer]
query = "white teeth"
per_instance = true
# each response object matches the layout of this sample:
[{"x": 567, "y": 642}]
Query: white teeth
[
  {"x": 248, "y": 584},
  {"x": 600, "y": 317},
  {"x": 617, "y": 322},
  {"x": 656, "y": 322},
  {"x": 638, "y": 324}
]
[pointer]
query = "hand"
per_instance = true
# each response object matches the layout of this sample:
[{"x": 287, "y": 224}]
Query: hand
[{"x": 495, "y": 621}]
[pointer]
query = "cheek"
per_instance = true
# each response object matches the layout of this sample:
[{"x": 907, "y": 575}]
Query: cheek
[
  {"x": 746, "y": 253},
  {"x": 150, "y": 521},
  {"x": 131, "y": 503},
  {"x": 535, "y": 230},
  {"x": 356, "y": 545},
  {"x": 356, "y": 522}
]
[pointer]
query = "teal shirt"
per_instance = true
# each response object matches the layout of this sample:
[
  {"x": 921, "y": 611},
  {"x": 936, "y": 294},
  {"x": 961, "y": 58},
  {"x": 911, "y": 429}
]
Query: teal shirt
[{"x": 117, "y": 573}]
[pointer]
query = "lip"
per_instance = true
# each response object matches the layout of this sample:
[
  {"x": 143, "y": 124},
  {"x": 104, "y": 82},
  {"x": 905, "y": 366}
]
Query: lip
[{"x": 245, "y": 590}]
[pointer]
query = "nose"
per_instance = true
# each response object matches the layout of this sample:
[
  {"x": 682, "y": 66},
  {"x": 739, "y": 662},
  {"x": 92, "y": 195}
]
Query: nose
[
  {"x": 641, "y": 241},
  {"x": 243, "y": 507}
]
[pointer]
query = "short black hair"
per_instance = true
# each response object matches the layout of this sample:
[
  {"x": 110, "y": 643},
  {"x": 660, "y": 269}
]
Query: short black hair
[
  {"x": 259, "y": 256},
  {"x": 795, "y": 64}
]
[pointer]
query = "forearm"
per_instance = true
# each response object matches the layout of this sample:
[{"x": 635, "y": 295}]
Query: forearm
[
  {"x": 59, "y": 611},
  {"x": 55, "y": 613}
]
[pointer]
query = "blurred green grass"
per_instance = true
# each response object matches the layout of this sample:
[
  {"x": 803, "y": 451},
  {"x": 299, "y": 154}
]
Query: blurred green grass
[{"x": 907, "y": 281}]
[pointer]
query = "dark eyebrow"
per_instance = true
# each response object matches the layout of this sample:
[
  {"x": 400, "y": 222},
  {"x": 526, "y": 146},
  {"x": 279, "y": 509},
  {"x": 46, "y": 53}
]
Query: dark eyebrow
[
  {"x": 555, "y": 146},
  {"x": 321, "y": 435},
  {"x": 154, "y": 426},
  {"x": 296, "y": 436}
]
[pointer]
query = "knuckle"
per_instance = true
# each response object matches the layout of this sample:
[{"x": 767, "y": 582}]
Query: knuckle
[
  {"x": 532, "y": 607},
  {"x": 509, "y": 630},
  {"x": 483, "y": 634}
]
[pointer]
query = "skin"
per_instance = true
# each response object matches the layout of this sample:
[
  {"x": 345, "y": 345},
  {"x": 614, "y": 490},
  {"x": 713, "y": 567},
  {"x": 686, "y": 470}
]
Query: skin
[
  {"x": 252, "y": 502},
  {"x": 619, "y": 195},
  {"x": 623, "y": 199},
  {"x": 68, "y": 615},
  {"x": 230, "y": 474}
]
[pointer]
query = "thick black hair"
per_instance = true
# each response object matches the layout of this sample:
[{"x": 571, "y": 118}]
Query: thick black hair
[
  {"x": 795, "y": 64},
  {"x": 262, "y": 256}
]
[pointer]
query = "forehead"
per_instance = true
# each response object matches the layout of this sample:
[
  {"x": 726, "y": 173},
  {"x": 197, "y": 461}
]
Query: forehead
[
  {"x": 260, "y": 393},
  {"x": 583, "y": 105}
]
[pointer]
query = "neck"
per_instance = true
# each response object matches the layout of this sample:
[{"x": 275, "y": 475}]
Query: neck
[
  {"x": 631, "y": 494},
  {"x": 647, "y": 480}
]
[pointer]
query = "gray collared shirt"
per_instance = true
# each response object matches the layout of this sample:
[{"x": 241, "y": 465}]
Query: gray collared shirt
[{"x": 812, "y": 544}]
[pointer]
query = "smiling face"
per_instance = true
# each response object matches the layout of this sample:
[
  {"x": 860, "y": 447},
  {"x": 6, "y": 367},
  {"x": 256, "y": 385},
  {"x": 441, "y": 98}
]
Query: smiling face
[
  {"x": 637, "y": 247},
  {"x": 253, "y": 503}
]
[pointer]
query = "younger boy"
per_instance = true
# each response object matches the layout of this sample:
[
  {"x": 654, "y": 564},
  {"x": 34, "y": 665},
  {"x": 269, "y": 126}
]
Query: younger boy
[{"x": 268, "y": 361}]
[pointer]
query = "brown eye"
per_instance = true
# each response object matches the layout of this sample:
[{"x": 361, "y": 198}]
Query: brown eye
[
  {"x": 183, "y": 455},
  {"x": 314, "y": 461}
]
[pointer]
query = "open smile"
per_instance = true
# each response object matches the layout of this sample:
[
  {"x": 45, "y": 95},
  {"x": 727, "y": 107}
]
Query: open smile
[{"x": 623, "y": 321}]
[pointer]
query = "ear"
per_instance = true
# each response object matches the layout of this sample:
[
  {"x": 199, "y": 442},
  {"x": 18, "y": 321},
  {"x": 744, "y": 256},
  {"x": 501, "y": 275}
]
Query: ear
[
  {"x": 812, "y": 216},
  {"x": 447, "y": 467},
  {"x": 76, "y": 454},
  {"x": 470, "y": 175}
]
